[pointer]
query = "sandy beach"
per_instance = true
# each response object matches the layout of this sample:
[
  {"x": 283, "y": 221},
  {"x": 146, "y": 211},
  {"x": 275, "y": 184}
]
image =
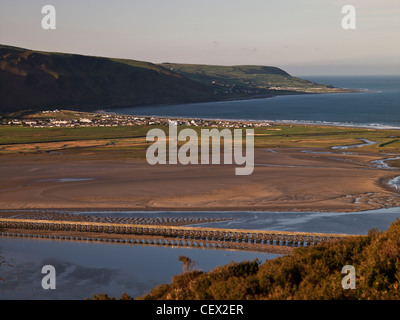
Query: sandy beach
[{"x": 283, "y": 180}]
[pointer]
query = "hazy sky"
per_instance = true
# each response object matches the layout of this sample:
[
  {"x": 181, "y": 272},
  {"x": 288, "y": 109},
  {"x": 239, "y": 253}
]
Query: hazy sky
[{"x": 304, "y": 37}]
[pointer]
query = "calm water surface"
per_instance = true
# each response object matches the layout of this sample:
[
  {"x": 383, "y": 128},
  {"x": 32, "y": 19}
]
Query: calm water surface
[{"x": 85, "y": 268}]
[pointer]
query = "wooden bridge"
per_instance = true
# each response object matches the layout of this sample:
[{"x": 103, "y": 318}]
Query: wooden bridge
[{"x": 170, "y": 235}]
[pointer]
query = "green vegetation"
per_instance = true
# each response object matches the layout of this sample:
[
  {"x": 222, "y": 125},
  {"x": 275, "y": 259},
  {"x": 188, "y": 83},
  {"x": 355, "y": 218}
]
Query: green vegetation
[
  {"x": 21, "y": 135},
  {"x": 132, "y": 138},
  {"x": 312, "y": 273},
  {"x": 237, "y": 79},
  {"x": 129, "y": 141},
  {"x": 299, "y": 136}
]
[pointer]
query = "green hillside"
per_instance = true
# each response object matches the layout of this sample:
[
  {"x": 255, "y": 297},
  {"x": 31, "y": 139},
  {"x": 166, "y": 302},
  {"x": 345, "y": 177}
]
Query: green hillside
[
  {"x": 39, "y": 80},
  {"x": 42, "y": 80},
  {"x": 236, "y": 79}
]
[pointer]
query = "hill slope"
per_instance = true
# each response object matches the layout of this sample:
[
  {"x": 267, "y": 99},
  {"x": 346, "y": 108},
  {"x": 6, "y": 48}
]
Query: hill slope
[
  {"x": 32, "y": 79},
  {"x": 41, "y": 80},
  {"x": 244, "y": 78}
]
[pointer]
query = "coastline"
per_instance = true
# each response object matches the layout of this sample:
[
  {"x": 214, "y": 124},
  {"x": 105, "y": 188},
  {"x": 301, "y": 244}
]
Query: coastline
[
  {"x": 316, "y": 123},
  {"x": 372, "y": 126},
  {"x": 272, "y": 94}
]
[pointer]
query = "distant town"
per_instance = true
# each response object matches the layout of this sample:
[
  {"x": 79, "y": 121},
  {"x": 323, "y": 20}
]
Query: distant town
[{"x": 62, "y": 118}]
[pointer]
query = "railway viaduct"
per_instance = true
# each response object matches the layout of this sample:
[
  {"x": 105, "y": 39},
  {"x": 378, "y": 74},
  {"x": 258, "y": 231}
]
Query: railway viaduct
[{"x": 176, "y": 234}]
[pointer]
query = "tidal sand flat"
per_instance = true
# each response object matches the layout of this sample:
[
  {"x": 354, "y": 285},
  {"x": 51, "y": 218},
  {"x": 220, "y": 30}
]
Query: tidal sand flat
[{"x": 285, "y": 180}]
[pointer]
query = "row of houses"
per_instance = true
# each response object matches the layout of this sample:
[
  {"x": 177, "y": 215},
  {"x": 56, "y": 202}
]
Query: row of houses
[{"x": 107, "y": 120}]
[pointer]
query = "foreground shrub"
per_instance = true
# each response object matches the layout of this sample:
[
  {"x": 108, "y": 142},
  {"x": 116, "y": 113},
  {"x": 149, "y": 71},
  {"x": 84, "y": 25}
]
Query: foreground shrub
[{"x": 308, "y": 273}]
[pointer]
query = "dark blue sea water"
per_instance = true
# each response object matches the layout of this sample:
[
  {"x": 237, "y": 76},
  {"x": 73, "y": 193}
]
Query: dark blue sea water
[{"x": 377, "y": 106}]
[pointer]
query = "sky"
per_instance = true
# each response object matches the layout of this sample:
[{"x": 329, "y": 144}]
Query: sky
[{"x": 303, "y": 37}]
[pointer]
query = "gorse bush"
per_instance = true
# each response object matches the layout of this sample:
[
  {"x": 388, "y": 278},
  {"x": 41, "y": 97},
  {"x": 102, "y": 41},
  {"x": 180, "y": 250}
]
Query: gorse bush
[{"x": 308, "y": 273}]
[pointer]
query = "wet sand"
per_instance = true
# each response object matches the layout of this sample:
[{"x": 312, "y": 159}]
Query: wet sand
[
  {"x": 285, "y": 180},
  {"x": 103, "y": 218}
]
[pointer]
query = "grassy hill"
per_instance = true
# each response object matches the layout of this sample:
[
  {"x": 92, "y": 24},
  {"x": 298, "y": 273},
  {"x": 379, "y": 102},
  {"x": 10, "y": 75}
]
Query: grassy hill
[
  {"x": 312, "y": 273},
  {"x": 38, "y": 80},
  {"x": 42, "y": 80},
  {"x": 237, "y": 79}
]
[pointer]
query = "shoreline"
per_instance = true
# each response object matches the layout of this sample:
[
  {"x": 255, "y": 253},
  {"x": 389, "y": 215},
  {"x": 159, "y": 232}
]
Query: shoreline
[
  {"x": 268, "y": 95},
  {"x": 252, "y": 97},
  {"x": 279, "y": 122},
  {"x": 311, "y": 123},
  {"x": 260, "y": 97}
]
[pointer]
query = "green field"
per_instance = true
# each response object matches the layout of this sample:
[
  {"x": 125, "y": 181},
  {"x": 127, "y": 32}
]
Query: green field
[
  {"x": 15, "y": 139},
  {"x": 21, "y": 135}
]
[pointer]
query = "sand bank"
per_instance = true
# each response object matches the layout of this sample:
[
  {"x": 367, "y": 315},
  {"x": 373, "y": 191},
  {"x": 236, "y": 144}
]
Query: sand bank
[{"x": 288, "y": 179}]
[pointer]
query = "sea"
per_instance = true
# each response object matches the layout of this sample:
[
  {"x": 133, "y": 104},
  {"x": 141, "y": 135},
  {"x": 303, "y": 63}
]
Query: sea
[{"x": 376, "y": 105}]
